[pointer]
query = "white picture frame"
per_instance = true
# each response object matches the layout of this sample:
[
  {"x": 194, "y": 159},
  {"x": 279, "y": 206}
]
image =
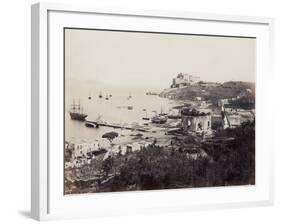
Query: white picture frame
[{"x": 47, "y": 202}]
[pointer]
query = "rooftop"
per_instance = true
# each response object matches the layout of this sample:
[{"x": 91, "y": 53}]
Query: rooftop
[{"x": 193, "y": 112}]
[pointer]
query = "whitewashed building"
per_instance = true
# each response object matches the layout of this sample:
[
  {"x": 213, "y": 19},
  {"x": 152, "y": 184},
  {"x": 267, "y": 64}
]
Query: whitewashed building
[{"x": 81, "y": 149}]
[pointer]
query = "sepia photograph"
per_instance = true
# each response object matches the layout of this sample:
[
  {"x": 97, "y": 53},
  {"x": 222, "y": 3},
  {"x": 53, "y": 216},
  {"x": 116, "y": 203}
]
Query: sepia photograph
[{"x": 155, "y": 111}]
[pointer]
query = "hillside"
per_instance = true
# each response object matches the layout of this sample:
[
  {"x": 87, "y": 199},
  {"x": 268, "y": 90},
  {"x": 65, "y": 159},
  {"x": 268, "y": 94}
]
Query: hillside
[{"x": 212, "y": 92}]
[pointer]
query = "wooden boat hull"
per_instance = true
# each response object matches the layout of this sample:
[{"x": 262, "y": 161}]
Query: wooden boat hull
[{"x": 77, "y": 116}]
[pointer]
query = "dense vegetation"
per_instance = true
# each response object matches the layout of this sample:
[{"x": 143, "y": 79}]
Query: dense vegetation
[
  {"x": 234, "y": 159},
  {"x": 231, "y": 161}
]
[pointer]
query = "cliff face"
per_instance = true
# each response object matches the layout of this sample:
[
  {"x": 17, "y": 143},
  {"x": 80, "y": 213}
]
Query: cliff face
[{"x": 212, "y": 92}]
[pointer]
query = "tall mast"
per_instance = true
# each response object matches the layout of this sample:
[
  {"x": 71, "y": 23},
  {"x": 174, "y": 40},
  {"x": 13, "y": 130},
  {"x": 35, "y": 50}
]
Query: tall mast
[{"x": 73, "y": 105}]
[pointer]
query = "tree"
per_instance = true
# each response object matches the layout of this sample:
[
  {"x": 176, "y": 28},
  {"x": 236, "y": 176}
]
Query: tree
[
  {"x": 107, "y": 165},
  {"x": 110, "y": 136}
]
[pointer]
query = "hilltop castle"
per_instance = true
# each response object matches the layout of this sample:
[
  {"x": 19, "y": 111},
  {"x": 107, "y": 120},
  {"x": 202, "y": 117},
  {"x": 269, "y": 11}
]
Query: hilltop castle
[{"x": 184, "y": 79}]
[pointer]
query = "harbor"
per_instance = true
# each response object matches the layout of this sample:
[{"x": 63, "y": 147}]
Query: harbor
[
  {"x": 125, "y": 112},
  {"x": 116, "y": 125},
  {"x": 151, "y": 111}
]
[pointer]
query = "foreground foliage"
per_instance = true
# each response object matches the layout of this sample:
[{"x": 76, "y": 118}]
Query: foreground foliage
[{"x": 230, "y": 161}]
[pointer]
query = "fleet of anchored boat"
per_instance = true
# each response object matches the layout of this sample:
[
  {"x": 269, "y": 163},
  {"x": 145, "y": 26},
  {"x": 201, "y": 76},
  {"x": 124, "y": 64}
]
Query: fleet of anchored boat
[{"x": 76, "y": 111}]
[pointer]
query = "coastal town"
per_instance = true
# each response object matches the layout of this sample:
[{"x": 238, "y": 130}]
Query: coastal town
[{"x": 204, "y": 123}]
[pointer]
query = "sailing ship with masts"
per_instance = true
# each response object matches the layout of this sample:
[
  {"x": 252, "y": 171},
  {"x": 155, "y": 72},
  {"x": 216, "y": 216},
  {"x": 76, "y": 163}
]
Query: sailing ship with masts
[
  {"x": 76, "y": 112},
  {"x": 130, "y": 96},
  {"x": 100, "y": 95},
  {"x": 160, "y": 118},
  {"x": 145, "y": 118}
]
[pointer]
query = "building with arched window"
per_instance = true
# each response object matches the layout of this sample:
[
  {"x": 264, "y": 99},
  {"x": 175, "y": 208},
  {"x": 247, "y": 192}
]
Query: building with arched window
[{"x": 195, "y": 121}]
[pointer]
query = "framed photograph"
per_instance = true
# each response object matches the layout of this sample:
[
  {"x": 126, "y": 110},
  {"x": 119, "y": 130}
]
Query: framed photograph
[{"x": 138, "y": 111}]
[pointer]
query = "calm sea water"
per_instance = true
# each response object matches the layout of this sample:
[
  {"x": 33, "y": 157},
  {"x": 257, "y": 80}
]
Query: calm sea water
[{"x": 115, "y": 110}]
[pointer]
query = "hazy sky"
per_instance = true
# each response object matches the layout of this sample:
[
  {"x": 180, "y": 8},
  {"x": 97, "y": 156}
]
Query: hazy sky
[{"x": 152, "y": 60}]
